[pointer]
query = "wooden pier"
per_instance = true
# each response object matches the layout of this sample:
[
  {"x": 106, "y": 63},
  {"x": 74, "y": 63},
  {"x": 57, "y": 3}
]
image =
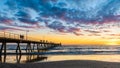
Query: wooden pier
[{"x": 6, "y": 37}]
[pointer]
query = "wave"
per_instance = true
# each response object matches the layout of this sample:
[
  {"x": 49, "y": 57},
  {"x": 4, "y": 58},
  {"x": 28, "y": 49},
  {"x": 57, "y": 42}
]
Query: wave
[{"x": 78, "y": 50}]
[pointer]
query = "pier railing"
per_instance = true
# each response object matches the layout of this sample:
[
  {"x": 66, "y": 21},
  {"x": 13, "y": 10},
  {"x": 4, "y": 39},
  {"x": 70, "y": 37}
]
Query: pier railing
[
  {"x": 16, "y": 36},
  {"x": 9, "y": 35}
]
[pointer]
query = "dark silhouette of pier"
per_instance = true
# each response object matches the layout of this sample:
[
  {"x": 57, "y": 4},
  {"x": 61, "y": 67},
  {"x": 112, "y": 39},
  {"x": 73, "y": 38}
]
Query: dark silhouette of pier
[{"x": 31, "y": 43}]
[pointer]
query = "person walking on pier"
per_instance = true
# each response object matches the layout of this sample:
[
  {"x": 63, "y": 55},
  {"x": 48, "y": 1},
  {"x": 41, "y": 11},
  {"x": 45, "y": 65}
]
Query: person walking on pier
[{"x": 21, "y": 37}]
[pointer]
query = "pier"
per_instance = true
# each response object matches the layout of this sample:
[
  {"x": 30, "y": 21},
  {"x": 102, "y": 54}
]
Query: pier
[{"x": 31, "y": 44}]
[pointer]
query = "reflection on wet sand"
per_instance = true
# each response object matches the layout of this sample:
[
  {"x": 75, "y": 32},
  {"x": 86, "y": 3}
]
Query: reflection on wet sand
[
  {"x": 35, "y": 58},
  {"x": 22, "y": 58},
  {"x": 3, "y": 58}
]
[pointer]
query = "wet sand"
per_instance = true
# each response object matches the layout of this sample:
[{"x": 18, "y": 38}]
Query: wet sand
[{"x": 65, "y": 64}]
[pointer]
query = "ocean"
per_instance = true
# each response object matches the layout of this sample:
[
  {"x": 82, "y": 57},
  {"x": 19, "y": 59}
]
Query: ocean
[
  {"x": 75, "y": 50},
  {"x": 85, "y": 50},
  {"x": 81, "y": 52}
]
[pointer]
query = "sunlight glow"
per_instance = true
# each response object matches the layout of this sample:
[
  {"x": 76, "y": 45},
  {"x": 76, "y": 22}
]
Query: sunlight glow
[{"x": 112, "y": 42}]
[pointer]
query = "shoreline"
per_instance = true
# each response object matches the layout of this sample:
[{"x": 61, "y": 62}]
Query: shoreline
[
  {"x": 55, "y": 58},
  {"x": 64, "y": 64}
]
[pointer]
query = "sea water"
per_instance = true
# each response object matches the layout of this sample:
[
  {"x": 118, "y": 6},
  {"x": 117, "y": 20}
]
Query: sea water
[
  {"x": 81, "y": 52},
  {"x": 85, "y": 50},
  {"x": 76, "y": 50}
]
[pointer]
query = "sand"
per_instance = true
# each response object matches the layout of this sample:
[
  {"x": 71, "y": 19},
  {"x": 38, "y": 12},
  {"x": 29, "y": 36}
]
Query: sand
[{"x": 65, "y": 64}]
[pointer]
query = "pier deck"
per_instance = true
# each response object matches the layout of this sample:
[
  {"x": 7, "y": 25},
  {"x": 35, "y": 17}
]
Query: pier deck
[{"x": 31, "y": 43}]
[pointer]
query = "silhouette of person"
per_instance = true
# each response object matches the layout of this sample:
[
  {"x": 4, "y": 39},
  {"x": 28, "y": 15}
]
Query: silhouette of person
[{"x": 21, "y": 36}]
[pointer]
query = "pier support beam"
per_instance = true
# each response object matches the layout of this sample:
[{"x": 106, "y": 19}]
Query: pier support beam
[
  {"x": 38, "y": 48},
  {"x": 28, "y": 48},
  {"x": 1, "y": 52},
  {"x": 33, "y": 47},
  {"x": 1, "y": 49},
  {"x": 3, "y": 46},
  {"x": 18, "y": 49}
]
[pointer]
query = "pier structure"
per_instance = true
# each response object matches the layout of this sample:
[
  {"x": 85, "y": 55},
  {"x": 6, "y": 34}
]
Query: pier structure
[{"x": 32, "y": 45}]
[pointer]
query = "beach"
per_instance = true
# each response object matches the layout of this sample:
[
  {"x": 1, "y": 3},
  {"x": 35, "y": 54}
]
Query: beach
[
  {"x": 70, "y": 61},
  {"x": 65, "y": 64}
]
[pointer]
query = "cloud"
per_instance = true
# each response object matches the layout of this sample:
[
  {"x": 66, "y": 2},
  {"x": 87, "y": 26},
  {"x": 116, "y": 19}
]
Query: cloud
[
  {"x": 78, "y": 34},
  {"x": 6, "y": 20},
  {"x": 106, "y": 30},
  {"x": 4, "y": 28},
  {"x": 66, "y": 16},
  {"x": 114, "y": 34},
  {"x": 94, "y": 35},
  {"x": 92, "y": 31},
  {"x": 57, "y": 25}
]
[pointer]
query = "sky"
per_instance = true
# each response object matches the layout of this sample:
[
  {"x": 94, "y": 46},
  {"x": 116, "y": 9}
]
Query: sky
[{"x": 71, "y": 22}]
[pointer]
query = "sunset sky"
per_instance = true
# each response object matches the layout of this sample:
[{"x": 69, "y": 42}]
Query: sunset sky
[{"x": 71, "y": 22}]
